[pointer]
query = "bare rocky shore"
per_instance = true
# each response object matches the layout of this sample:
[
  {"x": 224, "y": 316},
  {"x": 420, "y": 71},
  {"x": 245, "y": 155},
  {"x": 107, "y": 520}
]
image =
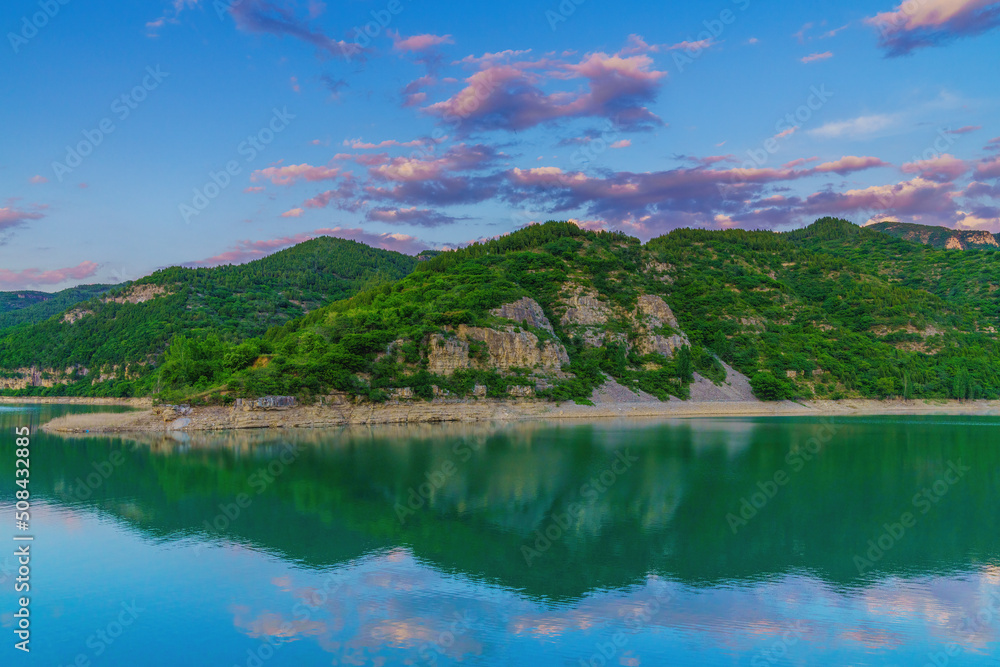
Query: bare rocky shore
[{"x": 336, "y": 411}]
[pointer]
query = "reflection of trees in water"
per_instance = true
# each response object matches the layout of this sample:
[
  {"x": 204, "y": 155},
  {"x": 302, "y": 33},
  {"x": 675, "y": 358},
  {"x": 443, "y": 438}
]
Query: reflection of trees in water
[{"x": 666, "y": 514}]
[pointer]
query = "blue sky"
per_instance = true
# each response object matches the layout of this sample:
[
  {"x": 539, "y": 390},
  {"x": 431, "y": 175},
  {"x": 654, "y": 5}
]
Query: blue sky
[{"x": 448, "y": 122}]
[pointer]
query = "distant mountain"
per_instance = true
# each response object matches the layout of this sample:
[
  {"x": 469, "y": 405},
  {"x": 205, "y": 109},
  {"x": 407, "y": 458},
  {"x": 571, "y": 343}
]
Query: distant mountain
[
  {"x": 940, "y": 238},
  {"x": 27, "y": 307},
  {"x": 123, "y": 331}
]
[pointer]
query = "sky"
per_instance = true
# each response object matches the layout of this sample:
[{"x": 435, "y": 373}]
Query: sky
[{"x": 140, "y": 135}]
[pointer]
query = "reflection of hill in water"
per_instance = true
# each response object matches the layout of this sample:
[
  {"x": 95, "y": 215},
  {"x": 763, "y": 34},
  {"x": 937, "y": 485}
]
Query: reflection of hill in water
[{"x": 665, "y": 514}]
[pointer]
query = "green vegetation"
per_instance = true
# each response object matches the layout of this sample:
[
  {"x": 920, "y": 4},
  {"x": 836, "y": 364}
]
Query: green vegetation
[
  {"x": 829, "y": 311},
  {"x": 940, "y": 238},
  {"x": 28, "y": 307},
  {"x": 232, "y": 303}
]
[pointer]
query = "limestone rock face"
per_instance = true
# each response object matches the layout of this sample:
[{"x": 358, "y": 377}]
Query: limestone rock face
[
  {"x": 517, "y": 349},
  {"x": 524, "y": 310},
  {"x": 447, "y": 355},
  {"x": 656, "y": 311},
  {"x": 584, "y": 309},
  {"x": 586, "y": 316},
  {"x": 651, "y": 313},
  {"x": 76, "y": 314},
  {"x": 265, "y": 403},
  {"x": 138, "y": 294}
]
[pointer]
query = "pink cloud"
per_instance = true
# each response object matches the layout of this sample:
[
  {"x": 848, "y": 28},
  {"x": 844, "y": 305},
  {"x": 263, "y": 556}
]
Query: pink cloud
[
  {"x": 38, "y": 178},
  {"x": 293, "y": 213},
  {"x": 460, "y": 157},
  {"x": 989, "y": 168},
  {"x": 28, "y": 277},
  {"x": 799, "y": 162},
  {"x": 917, "y": 24},
  {"x": 817, "y": 56},
  {"x": 83, "y": 186},
  {"x": 966, "y": 129},
  {"x": 295, "y": 172},
  {"x": 410, "y": 216},
  {"x": 511, "y": 96},
  {"x": 642, "y": 203},
  {"x": 786, "y": 133},
  {"x": 636, "y": 45},
  {"x": 357, "y": 144},
  {"x": 417, "y": 43},
  {"x": 254, "y": 188},
  {"x": 621, "y": 143},
  {"x": 13, "y": 217},
  {"x": 942, "y": 168},
  {"x": 850, "y": 163}
]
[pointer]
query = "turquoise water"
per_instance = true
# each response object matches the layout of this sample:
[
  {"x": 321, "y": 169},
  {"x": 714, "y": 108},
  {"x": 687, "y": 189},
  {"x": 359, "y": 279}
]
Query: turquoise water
[{"x": 765, "y": 541}]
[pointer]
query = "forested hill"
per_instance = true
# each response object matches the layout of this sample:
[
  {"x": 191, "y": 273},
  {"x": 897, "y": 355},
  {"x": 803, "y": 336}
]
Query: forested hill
[
  {"x": 131, "y": 325},
  {"x": 966, "y": 280},
  {"x": 26, "y": 306},
  {"x": 941, "y": 238},
  {"x": 553, "y": 311}
]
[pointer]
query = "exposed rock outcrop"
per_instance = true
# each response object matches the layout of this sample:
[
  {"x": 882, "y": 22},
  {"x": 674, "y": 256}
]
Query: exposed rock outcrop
[
  {"x": 265, "y": 403},
  {"x": 524, "y": 311},
  {"x": 72, "y": 316},
  {"x": 138, "y": 294},
  {"x": 517, "y": 349},
  {"x": 652, "y": 316},
  {"x": 447, "y": 355}
]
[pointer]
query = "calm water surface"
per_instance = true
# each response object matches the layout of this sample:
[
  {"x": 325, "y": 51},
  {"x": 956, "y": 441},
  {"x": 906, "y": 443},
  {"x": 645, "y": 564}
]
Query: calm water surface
[{"x": 765, "y": 541}]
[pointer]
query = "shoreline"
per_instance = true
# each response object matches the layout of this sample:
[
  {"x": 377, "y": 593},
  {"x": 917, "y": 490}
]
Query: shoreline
[
  {"x": 166, "y": 419},
  {"x": 77, "y": 400}
]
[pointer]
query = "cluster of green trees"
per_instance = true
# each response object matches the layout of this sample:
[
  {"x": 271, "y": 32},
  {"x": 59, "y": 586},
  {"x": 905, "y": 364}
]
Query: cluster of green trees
[
  {"x": 829, "y": 311},
  {"x": 28, "y": 307},
  {"x": 232, "y": 302}
]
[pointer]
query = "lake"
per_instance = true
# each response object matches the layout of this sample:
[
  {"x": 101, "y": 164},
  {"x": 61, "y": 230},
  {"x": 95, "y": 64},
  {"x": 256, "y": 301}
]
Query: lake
[{"x": 727, "y": 541}]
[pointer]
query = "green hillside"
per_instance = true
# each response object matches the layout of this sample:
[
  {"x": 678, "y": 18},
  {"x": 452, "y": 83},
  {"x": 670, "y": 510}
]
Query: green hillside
[
  {"x": 940, "y": 238},
  {"x": 123, "y": 332},
  {"x": 967, "y": 280},
  {"x": 28, "y": 307},
  {"x": 551, "y": 311},
  {"x": 799, "y": 321}
]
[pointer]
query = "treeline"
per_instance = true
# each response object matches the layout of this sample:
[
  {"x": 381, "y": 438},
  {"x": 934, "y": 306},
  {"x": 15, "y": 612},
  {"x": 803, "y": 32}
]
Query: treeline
[{"x": 233, "y": 302}]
